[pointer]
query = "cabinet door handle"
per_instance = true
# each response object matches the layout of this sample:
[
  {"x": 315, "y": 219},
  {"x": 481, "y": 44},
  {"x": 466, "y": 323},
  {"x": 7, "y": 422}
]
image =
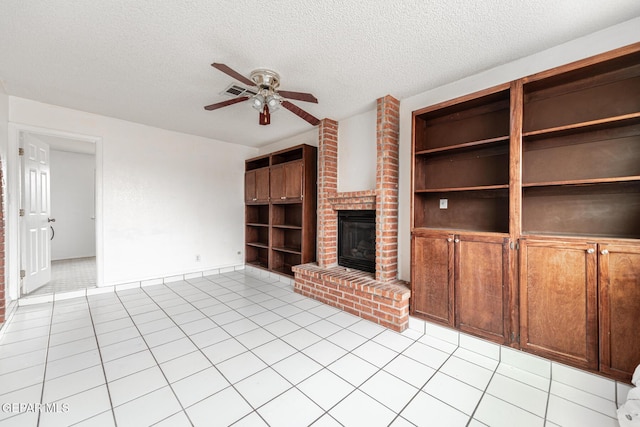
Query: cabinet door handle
[
  {"x": 283, "y": 197},
  {"x": 590, "y": 250},
  {"x": 604, "y": 252},
  {"x": 457, "y": 240},
  {"x": 449, "y": 240},
  {"x": 255, "y": 198}
]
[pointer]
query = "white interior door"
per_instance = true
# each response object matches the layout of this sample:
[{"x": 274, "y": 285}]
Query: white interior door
[{"x": 36, "y": 243}]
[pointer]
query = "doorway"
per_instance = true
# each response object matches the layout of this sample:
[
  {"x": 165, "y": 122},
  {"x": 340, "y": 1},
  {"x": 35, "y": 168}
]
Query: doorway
[{"x": 66, "y": 198}]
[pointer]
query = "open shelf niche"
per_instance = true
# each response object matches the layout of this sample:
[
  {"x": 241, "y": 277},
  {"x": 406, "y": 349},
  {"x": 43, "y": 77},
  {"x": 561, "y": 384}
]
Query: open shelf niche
[
  {"x": 461, "y": 164},
  {"x": 581, "y": 151}
]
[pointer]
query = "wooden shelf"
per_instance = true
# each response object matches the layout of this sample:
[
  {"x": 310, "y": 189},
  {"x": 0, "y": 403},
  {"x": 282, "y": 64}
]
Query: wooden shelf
[
  {"x": 289, "y": 250},
  {"x": 284, "y": 270},
  {"x": 287, "y": 227},
  {"x": 579, "y": 236},
  {"x": 463, "y": 231},
  {"x": 258, "y": 245},
  {"x": 257, "y": 224},
  {"x": 460, "y": 189},
  {"x": 257, "y": 264},
  {"x": 623, "y": 120},
  {"x": 257, "y": 163},
  {"x": 472, "y": 144},
  {"x": 577, "y": 182}
]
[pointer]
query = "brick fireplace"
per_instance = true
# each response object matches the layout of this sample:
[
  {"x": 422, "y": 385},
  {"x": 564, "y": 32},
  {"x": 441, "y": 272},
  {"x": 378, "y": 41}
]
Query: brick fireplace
[{"x": 378, "y": 296}]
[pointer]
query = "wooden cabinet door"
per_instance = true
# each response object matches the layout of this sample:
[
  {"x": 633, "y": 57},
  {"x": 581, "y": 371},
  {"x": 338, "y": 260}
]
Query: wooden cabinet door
[
  {"x": 262, "y": 185},
  {"x": 294, "y": 178},
  {"x": 432, "y": 291},
  {"x": 558, "y": 301},
  {"x": 250, "y": 186},
  {"x": 256, "y": 186},
  {"x": 482, "y": 291},
  {"x": 277, "y": 179},
  {"x": 287, "y": 181},
  {"x": 619, "y": 273}
]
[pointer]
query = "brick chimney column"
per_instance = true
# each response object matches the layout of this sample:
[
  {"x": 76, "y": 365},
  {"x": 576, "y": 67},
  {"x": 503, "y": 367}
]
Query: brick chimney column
[
  {"x": 327, "y": 237},
  {"x": 387, "y": 171}
]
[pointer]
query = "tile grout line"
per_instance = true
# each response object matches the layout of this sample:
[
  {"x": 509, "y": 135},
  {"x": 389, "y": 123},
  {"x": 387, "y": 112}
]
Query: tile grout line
[
  {"x": 104, "y": 373},
  {"x": 426, "y": 382},
  {"x": 46, "y": 360},
  {"x": 484, "y": 393}
]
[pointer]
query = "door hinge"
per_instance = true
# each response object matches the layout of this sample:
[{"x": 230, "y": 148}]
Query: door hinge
[
  {"x": 21, "y": 212},
  {"x": 20, "y": 151},
  {"x": 22, "y": 274}
]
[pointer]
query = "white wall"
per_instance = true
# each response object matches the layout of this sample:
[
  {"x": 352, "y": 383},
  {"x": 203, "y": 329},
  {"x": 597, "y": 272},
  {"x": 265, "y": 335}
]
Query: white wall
[
  {"x": 4, "y": 132},
  {"x": 357, "y": 152},
  {"x": 599, "y": 42},
  {"x": 309, "y": 137},
  {"x": 72, "y": 205},
  {"x": 164, "y": 197}
]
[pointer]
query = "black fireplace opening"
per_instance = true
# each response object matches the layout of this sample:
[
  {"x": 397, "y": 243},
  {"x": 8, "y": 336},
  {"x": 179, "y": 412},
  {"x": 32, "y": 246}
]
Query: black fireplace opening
[{"x": 357, "y": 239}]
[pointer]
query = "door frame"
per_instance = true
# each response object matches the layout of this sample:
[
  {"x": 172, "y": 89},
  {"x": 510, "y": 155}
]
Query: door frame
[{"x": 14, "y": 247}]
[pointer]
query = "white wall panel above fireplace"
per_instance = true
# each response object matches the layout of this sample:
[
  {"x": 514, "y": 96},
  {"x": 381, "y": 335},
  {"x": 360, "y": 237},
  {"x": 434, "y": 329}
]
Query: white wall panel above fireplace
[{"x": 357, "y": 153}]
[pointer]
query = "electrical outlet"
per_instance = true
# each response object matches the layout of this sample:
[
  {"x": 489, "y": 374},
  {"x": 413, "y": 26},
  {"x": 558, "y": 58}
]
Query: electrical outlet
[
  {"x": 197, "y": 258},
  {"x": 444, "y": 203}
]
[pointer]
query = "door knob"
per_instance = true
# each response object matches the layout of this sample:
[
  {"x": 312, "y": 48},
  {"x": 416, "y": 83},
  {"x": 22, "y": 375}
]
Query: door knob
[{"x": 51, "y": 220}]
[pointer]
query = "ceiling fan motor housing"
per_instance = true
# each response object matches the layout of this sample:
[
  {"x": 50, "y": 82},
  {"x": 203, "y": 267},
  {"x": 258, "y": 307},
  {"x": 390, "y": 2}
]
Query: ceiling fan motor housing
[{"x": 265, "y": 79}]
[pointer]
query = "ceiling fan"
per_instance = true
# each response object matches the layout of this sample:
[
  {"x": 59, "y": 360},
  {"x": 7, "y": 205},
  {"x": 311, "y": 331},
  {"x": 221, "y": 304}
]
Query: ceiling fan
[{"x": 268, "y": 98}]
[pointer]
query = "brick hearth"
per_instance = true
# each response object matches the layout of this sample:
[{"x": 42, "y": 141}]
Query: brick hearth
[{"x": 380, "y": 297}]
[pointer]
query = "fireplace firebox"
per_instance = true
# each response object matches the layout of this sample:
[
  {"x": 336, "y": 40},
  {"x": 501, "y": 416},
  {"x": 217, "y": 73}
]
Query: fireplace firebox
[{"x": 357, "y": 239}]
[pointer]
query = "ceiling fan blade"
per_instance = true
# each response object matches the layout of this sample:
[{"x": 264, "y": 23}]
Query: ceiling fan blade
[
  {"x": 225, "y": 103},
  {"x": 236, "y": 75},
  {"x": 300, "y": 96},
  {"x": 300, "y": 112}
]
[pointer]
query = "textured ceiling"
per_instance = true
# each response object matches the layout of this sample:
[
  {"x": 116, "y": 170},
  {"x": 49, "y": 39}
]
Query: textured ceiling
[{"x": 148, "y": 61}]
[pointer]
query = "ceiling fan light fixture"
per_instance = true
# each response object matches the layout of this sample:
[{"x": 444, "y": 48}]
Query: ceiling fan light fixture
[
  {"x": 258, "y": 102},
  {"x": 273, "y": 101}
]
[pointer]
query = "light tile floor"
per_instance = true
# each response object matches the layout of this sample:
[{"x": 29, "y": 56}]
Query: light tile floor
[
  {"x": 233, "y": 349},
  {"x": 70, "y": 275}
]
